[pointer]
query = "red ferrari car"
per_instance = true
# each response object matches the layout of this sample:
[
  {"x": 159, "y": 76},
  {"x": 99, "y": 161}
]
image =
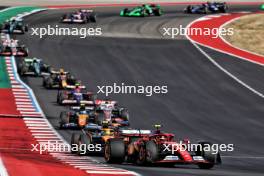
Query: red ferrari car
[{"x": 156, "y": 147}]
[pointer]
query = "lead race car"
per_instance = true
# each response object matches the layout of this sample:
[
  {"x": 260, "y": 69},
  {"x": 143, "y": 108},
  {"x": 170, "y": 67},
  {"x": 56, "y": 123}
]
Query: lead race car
[
  {"x": 14, "y": 26},
  {"x": 156, "y": 147},
  {"x": 81, "y": 16},
  {"x": 13, "y": 48},
  {"x": 142, "y": 11},
  {"x": 32, "y": 66},
  {"x": 209, "y": 7}
]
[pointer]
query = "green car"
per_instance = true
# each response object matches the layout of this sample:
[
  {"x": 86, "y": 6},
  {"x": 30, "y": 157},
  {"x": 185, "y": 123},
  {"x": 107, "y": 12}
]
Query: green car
[
  {"x": 262, "y": 7},
  {"x": 142, "y": 11},
  {"x": 32, "y": 66}
]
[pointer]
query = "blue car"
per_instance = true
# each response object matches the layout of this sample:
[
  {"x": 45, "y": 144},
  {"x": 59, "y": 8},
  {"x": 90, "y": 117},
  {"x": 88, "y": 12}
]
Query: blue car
[
  {"x": 209, "y": 7},
  {"x": 32, "y": 66}
]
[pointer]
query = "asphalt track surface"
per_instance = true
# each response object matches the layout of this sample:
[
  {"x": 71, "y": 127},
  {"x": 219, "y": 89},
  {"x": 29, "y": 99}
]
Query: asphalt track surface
[{"x": 202, "y": 101}]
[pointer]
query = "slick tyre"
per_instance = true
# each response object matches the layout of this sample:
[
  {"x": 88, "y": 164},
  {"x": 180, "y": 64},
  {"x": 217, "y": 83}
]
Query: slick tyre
[
  {"x": 114, "y": 151},
  {"x": 85, "y": 142},
  {"x": 141, "y": 159},
  {"x": 208, "y": 155},
  {"x": 157, "y": 12},
  {"x": 64, "y": 119},
  {"x": 22, "y": 68},
  {"x": 99, "y": 119},
  {"x": 93, "y": 18},
  {"x": 44, "y": 82},
  {"x": 49, "y": 83},
  {"x": 75, "y": 143},
  {"x": 152, "y": 152},
  {"x": 124, "y": 114}
]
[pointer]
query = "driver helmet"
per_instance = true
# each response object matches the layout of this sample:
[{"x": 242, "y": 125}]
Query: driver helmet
[
  {"x": 35, "y": 59},
  {"x": 82, "y": 107},
  {"x": 107, "y": 131},
  {"x": 163, "y": 138},
  {"x": 62, "y": 71},
  {"x": 77, "y": 85}
]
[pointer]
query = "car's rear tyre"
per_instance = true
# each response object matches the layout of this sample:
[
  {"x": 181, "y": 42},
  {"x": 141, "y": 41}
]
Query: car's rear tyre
[
  {"x": 22, "y": 68},
  {"x": 124, "y": 114},
  {"x": 60, "y": 97},
  {"x": 148, "y": 153},
  {"x": 99, "y": 119},
  {"x": 188, "y": 9},
  {"x": 152, "y": 152},
  {"x": 114, "y": 151},
  {"x": 75, "y": 142},
  {"x": 64, "y": 119},
  {"x": 44, "y": 82},
  {"x": 84, "y": 142},
  {"x": 208, "y": 156},
  {"x": 92, "y": 18},
  {"x": 141, "y": 159},
  {"x": 157, "y": 12},
  {"x": 49, "y": 83},
  {"x": 26, "y": 28}
]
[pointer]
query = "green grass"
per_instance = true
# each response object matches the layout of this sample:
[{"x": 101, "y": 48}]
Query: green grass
[
  {"x": 14, "y": 11},
  {"x": 4, "y": 78}
]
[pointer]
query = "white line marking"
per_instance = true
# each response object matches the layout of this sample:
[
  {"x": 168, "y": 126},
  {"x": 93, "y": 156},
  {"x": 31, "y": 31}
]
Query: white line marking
[
  {"x": 3, "y": 171},
  {"x": 25, "y": 106},
  {"x": 14, "y": 82},
  {"x": 22, "y": 99},
  {"x": 37, "y": 125},
  {"x": 20, "y": 93},
  {"x": 43, "y": 134},
  {"x": 26, "y": 109},
  {"x": 41, "y": 131},
  {"x": 19, "y": 90},
  {"x": 25, "y": 118},
  {"x": 21, "y": 96},
  {"x": 24, "y": 103},
  {"x": 30, "y": 113},
  {"x": 219, "y": 50},
  {"x": 38, "y": 128},
  {"x": 221, "y": 68},
  {"x": 228, "y": 73},
  {"x": 46, "y": 137},
  {"x": 35, "y": 122},
  {"x": 45, "y": 140}
]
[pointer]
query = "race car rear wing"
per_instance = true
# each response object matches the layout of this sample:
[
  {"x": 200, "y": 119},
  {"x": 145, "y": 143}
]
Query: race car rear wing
[
  {"x": 135, "y": 132},
  {"x": 73, "y": 86},
  {"x": 86, "y": 107}
]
